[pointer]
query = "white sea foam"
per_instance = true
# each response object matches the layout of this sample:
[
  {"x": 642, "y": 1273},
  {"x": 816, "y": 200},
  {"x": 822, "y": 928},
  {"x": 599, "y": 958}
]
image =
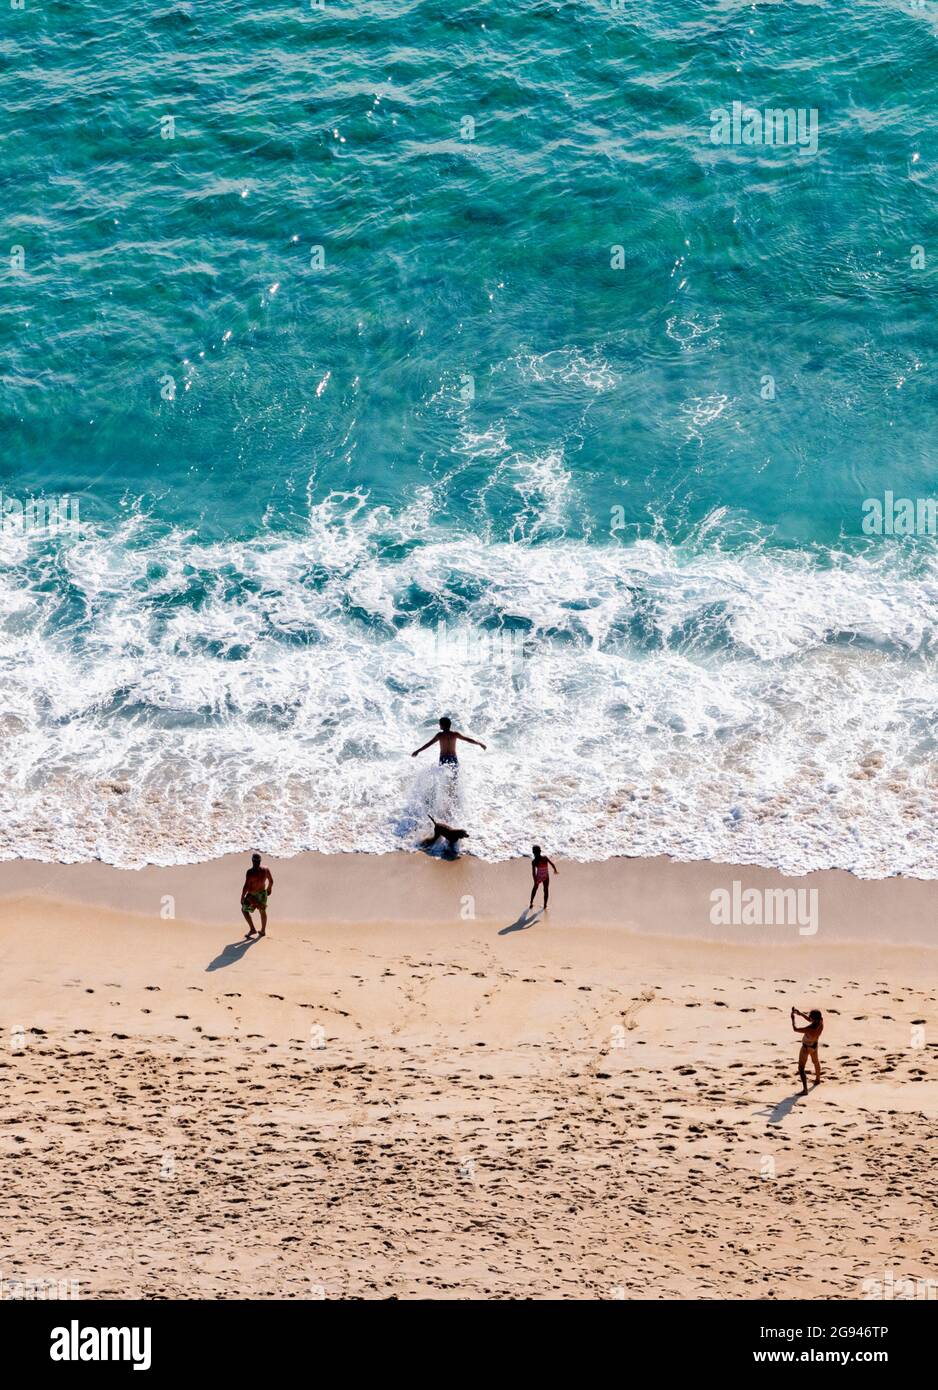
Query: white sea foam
[
  {"x": 568, "y": 365},
  {"x": 173, "y": 701}
]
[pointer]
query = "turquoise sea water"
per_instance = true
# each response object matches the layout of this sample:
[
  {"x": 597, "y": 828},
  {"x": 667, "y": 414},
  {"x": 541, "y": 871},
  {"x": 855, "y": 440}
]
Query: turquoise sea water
[{"x": 441, "y": 363}]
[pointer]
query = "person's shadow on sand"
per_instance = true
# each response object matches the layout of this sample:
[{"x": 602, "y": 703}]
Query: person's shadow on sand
[
  {"x": 233, "y": 953},
  {"x": 777, "y": 1113},
  {"x": 523, "y": 921}
]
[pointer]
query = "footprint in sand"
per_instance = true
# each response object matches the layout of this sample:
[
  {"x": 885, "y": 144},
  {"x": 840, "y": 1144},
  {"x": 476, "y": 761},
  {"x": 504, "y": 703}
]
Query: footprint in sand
[{"x": 630, "y": 1015}]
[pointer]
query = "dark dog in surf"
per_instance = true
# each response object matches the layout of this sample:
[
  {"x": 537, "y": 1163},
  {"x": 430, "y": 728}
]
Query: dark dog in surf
[{"x": 444, "y": 832}]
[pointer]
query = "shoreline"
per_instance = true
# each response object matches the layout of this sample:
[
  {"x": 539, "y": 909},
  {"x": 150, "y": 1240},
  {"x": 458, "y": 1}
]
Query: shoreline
[
  {"x": 659, "y": 897},
  {"x": 466, "y": 854}
]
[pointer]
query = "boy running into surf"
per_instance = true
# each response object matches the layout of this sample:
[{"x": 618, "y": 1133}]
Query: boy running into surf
[{"x": 447, "y": 739}]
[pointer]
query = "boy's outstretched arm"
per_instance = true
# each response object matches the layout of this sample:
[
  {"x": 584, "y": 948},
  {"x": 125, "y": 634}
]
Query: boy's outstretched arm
[
  {"x": 430, "y": 744},
  {"x": 465, "y": 738}
]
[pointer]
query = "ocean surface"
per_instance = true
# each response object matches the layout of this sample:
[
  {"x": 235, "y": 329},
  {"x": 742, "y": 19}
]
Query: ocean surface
[{"x": 409, "y": 359}]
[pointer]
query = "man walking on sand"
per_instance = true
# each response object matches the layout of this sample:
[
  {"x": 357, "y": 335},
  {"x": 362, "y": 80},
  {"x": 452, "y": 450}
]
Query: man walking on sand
[
  {"x": 447, "y": 739},
  {"x": 258, "y": 886}
]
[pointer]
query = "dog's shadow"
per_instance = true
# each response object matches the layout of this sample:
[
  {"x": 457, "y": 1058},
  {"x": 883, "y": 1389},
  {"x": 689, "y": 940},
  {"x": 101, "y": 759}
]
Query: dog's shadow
[{"x": 527, "y": 919}]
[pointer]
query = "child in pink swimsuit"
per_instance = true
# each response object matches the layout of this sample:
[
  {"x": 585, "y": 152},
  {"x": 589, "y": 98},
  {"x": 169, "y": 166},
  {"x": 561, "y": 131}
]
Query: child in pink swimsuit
[{"x": 540, "y": 872}]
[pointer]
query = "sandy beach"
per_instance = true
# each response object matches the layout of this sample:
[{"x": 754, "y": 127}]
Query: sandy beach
[{"x": 406, "y": 1091}]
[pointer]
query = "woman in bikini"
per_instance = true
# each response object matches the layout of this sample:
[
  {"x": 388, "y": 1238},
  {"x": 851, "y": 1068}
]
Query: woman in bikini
[
  {"x": 540, "y": 872},
  {"x": 809, "y": 1041}
]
